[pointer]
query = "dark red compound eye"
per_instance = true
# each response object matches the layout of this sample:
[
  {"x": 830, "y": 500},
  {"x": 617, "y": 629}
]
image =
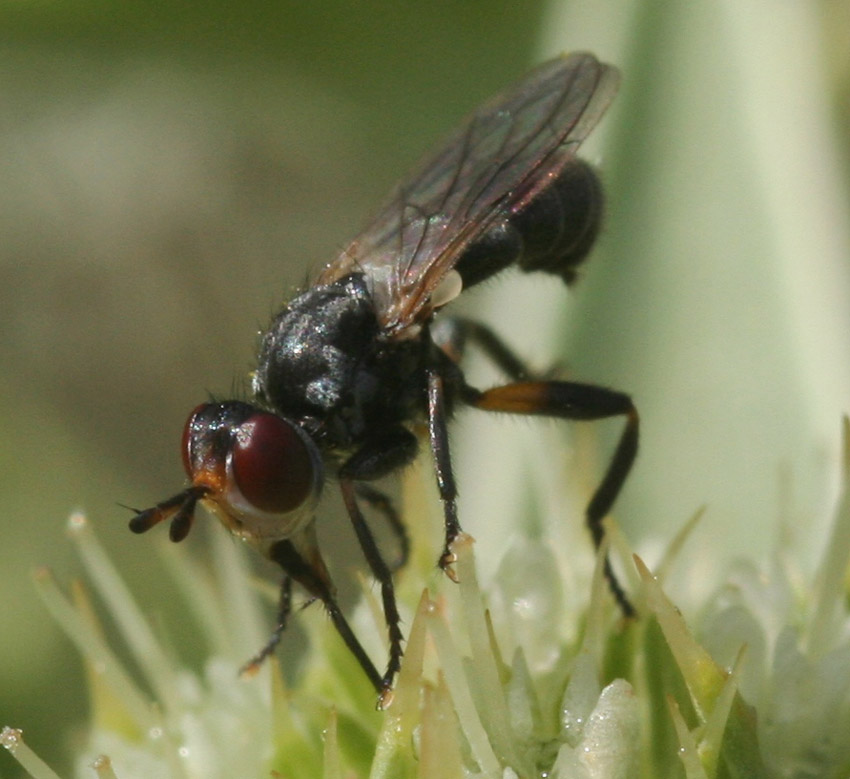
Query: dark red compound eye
[{"x": 271, "y": 464}]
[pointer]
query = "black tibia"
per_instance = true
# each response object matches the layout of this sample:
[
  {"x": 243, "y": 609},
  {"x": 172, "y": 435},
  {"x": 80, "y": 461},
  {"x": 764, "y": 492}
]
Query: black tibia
[
  {"x": 313, "y": 578},
  {"x": 283, "y": 611},
  {"x": 379, "y": 457},
  {"x": 382, "y": 503},
  {"x": 570, "y": 400},
  {"x": 439, "y": 438},
  {"x": 382, "y": 573}
]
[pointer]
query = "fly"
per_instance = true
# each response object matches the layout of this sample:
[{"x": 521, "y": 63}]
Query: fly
[{"x": 350, "y": 367}]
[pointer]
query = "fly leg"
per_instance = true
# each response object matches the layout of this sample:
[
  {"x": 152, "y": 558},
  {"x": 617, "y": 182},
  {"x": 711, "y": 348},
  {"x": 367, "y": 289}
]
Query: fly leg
[
  {"x": 284, "y": 609},
  {"x": 383, "y": 575},
  {"x": 382, "y": 504},
  {"x": 439, "y": 437},
  {"x": 574, "y": 401},
  {"x": 451, "y": 334},
  {"x": 375, "y": 459},
  {"x": 301, "y": 562}
]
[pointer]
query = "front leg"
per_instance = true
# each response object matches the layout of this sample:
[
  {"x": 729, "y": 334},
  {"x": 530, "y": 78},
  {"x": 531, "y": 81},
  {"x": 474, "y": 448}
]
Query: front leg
[
  {"x": 383, "y": 575},
  {"x": 283, "y": 611},
  {"x": 381, "y": 503},
  {"x": 300, "y": 560},
  {"x": 378, "y": 458}
]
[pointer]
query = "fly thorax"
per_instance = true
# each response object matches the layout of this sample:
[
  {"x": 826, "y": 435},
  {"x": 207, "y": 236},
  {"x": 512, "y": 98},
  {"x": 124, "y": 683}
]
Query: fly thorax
[{"x": 310, "y": 355}]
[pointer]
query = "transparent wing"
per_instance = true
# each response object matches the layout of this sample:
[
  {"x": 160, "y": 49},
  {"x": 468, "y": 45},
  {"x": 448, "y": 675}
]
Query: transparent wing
[{"x": 505, "y": 152}]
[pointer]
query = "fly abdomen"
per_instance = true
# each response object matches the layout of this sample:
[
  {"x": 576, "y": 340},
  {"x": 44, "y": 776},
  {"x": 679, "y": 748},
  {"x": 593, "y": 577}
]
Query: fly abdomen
[
  {"x": 498, "y": 247},
  {"x": 552, "y": 232},
  {"x": 558, "y": 227}
]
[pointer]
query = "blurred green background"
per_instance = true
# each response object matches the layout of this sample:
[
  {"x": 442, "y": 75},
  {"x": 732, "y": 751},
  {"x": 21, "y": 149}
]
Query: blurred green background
[{"x": 171, "y": 173}]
